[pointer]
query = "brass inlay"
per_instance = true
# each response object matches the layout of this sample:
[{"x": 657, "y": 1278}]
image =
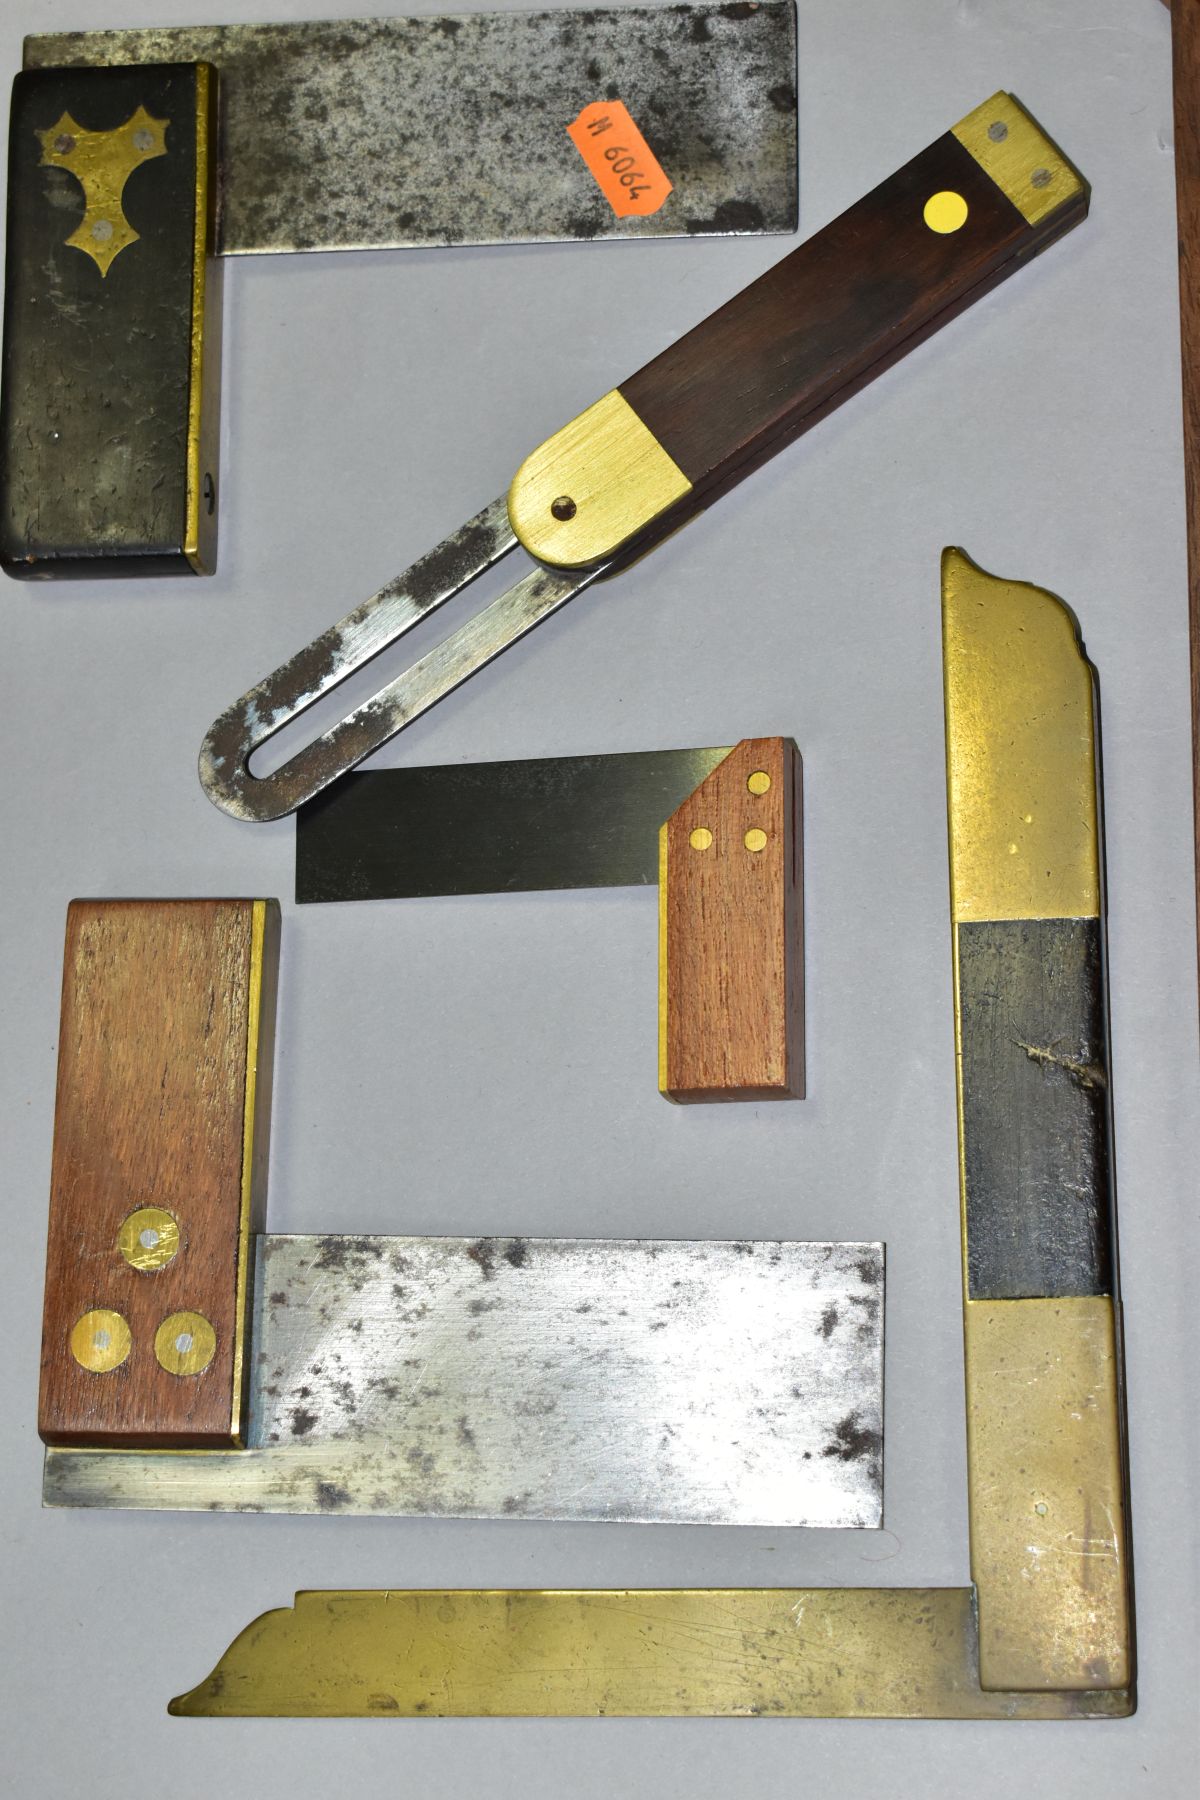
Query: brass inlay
[
  {"x": 102, "y": 162},
  {"x": 254, "y": 1048},
  {"x": 663, "y": 857},
  {"x": 701, "y": 838},
  {"x": 945, "y": 212},
  {"x": 651, "y": 1652},
  {"x": 759, "y": 782},
  {"x": 1046, "y": 1499},
  {"x": 185, "y": 1343},
  {"x": 1020, "y": 751},
  {"x": 199, "y": 430},
  {"x": 614, "y": 473},
  {"x": 1024, "y": 163},
  {"x": 149, "y": 1239},
  {"x": 755, "y": 840},
  {"x": 100, "y": 1341}
]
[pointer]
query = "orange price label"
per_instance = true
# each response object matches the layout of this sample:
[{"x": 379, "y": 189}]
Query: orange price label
[{"x": 624, "y": 167}]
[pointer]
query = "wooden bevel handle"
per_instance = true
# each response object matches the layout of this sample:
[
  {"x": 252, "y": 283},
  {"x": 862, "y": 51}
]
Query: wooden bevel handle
[
  {"x": 807, "y": 335},
  {"x": 731, "y": 934}
]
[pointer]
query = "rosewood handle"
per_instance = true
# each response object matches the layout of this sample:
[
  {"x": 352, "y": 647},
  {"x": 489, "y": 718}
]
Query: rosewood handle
[{"x": 804, "y": 337}]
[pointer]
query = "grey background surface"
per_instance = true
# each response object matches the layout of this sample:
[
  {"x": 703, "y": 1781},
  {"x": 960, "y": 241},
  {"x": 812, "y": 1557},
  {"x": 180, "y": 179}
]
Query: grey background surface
[{"x": 488, "y": 1065}]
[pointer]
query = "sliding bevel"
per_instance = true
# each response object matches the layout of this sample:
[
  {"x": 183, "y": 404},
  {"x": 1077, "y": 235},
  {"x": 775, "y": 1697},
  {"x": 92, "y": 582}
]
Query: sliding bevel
[
  {"x": 139, "y": 158},
  {"x": 947, "y": 227},
  {"x": 1045, "y": 1630},
  {"x": 720, "y": 830}
]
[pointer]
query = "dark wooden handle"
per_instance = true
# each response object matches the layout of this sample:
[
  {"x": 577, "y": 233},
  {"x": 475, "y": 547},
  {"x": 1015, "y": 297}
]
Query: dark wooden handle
[
  {"x": 814, "y": 329},
  {"x": 807, "y": 335},
  {"x": 159, "y": 1171},
  {"x": 731, "y": 952}
]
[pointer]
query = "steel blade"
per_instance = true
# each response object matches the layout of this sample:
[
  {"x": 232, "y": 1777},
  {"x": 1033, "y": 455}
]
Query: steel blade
[
  {"x": 377, "y": 133},
  {"x": 738, "y": 1383},
  {"x": 495, "y": 827},
  {"x": 329, "y": 660}
]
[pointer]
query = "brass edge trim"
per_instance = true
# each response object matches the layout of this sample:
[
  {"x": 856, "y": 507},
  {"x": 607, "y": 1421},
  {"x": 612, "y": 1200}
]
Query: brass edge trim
[
  {"x": 241, "y": 1328},
  {"x": 663, "y": 854},
  {"x": 1020, "y": 699},
  {"x": 200, "y": 251},
  {"x": 1026, "y": 165},
  {"x": 614, "y": 474}
]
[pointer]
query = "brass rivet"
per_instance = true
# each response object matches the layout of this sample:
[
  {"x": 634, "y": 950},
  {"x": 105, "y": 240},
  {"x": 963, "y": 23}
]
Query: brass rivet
[
  {"x": 100, "y": 1341},
  {"x": 755, "y": 840},
  {"x": 701, "y": 838},
  {"x": 759, "y": 782},
  {"x": 945, "y": 211},
  {"x": 185, "y": 1343},
  {"x": 148, "y": 1239},
  {"x": 563, "y": 508}
]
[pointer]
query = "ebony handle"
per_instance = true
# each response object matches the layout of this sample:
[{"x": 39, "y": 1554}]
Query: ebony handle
[{"x": 804, "y": 337}]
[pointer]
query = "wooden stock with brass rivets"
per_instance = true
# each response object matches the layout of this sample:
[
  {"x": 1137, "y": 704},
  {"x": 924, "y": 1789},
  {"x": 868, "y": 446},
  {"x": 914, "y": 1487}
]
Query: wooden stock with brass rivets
[
  {"x": 731, "y": 954},
  {"x": 159, "y": 1171}
]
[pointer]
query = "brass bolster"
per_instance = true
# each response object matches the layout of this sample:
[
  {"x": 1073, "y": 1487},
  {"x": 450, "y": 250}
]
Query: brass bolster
[{"x": 593, "y": 486}]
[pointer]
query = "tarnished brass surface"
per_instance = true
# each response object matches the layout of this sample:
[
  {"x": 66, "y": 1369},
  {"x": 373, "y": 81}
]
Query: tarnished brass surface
[
  {"x": 204, "y": 373},
  {"x": 100, "y": 1340},
  {"x": 1024, "y": 163},
  {"x": 1046, "y": 1495},
  {"x": 666, "y": 1652},
  {"x": 260, "y": 1045},
  {"x": 606, "y": 466},
  {"x": 149, "y": 1239},
  {"x": 1020, "y": 751},
  {"x": 102, "y": 162},
  {"x": 185, "y": 1343}
]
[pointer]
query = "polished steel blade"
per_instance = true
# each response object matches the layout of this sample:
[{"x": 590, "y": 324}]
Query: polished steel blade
[
  {"x": 325, "y": 663},
  {"x": 494, "y": 827},
  {"x": 735, "y": 1383},
  {"x": 373, "y": 133}
]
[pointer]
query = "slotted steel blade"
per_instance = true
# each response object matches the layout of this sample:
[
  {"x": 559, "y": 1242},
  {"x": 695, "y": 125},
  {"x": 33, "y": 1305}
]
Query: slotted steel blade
[
  {"x": 739, "y": 1383},
  {"x": 329, "y": 660}
]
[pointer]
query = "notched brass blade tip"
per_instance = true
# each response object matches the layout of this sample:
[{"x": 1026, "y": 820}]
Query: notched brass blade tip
[
  {"x": 1020, "y": 749},
  {"x": 230, "y": 1690}
]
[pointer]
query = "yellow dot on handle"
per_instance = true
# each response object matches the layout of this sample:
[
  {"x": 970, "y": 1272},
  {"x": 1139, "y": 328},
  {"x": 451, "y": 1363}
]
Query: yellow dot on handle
[
  {"x": 701, "y": 838},
  {"x": 755, "y": 840},
  {"x": 100, "y": 1341},
  {"x": 946, "y": 211},
  {"x": 759, "y": 782}
]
